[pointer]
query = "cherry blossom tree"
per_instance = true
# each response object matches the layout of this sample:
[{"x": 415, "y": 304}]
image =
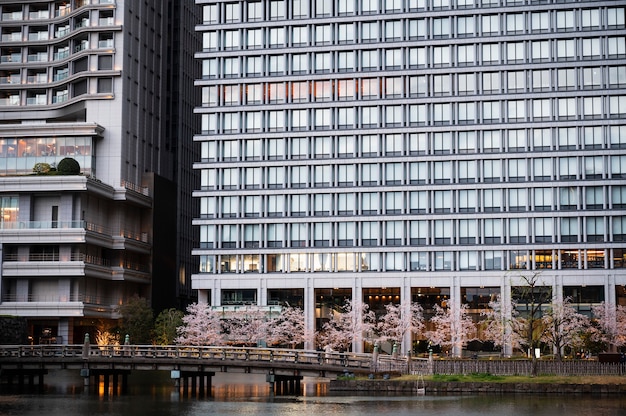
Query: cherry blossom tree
[
  {"x": 500, "y": 323},
  {"x": 201, "y": 326},
  {"x": 611, "y": 321},
  {"x": 453, "y": 327},
  {"x": 347, "y": 326},
  {"x": 247, "y": 326},
  {"x": 563, "y": 326},
  {"x": 287, "y": 328},
  {"x": 400, "y": 320}
]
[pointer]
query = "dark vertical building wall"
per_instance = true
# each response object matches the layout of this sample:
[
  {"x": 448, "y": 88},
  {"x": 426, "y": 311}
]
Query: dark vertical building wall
[
  {"x": 180, "y": 126},
  {"x": 164, "y": 246}
]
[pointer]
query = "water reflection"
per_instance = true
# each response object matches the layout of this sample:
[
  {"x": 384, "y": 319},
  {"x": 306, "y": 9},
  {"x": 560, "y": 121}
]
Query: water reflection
[{"x": 154, "y": 394}]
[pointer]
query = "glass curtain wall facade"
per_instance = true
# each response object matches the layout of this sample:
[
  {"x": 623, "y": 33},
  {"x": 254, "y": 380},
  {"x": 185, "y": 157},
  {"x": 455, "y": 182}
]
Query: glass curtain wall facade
[{"x": 419, "y": 145}]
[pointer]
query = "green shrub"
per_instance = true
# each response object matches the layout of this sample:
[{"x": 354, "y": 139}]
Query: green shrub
[
  {"x": 68, "y": 166},
  {"x": 41, "y": 168}
]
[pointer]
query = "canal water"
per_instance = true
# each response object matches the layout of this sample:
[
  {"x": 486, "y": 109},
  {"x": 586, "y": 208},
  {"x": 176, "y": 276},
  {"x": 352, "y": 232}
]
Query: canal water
[{"x": 154, "y": 394}]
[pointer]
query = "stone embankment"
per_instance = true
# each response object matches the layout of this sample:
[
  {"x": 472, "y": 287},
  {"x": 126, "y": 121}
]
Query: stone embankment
[{"x": 439, "y": 387}]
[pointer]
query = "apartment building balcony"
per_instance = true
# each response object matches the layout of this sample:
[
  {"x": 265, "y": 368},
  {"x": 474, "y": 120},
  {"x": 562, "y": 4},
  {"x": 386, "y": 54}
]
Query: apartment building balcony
[
  {"x": 38, "y": 36},
  {"x": 132, "y": 272},
  {"x": 38, "y": 305},
  {"x": 48, "y": 265},
  {"x": 12, "y": 37},
  {"x": 12, "y": 16},
  {"x": 73, "y": 265},
  {"x": 118, "y": 239},
  {"x": 15, "y": 57},
  {"x": 25, "y": 232},
  {"x": 39, "y": 15},
  {"x": 11, "y": 79}
]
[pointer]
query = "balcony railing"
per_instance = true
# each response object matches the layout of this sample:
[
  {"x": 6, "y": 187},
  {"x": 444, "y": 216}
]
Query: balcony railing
[
  {"x": 134, "y": 235},
  {"x": 38, "y": 100},
  {"x": 38, "y": 57},
  {"x": 10, "y": 101},
  {"x": 105, "y": 44},
  {"x": 38, "y": 79},
  {"x": 63, "y": 11},
  {"x": 61, "y": 75},
  {"x": 12, "y": 37},
  {"x": 61, "y": 98},
  {"x": 96, "y": 228},
  {"x": 106, "y": 21},
  {"x": 38, "y": 15},
  {"x": 133, "y": 187},
  {"x": 87, "y": 299},
  {"x": 36, "y": 225},
  {"x": 81, "y": 23},
  {"x": 61, "y": 54},
  {"x": 62, "y": 31},
  {"x": 11, "y": 16},
  {"x": 38, "y": 36},
  {"x": 11, "y": 79},
  {"x": 14, "y": 57},
  {"x": 56, "y": 257}
]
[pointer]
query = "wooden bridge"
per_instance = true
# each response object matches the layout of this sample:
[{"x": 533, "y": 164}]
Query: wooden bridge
[{"x": 191, "y": 366}]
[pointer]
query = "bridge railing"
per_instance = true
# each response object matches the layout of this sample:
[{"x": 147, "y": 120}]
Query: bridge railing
[
  {"x": 351, "y": 361},
  {"x": 60, "y": 351}
]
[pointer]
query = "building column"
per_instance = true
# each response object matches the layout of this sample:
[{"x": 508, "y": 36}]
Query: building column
[
  {"x": 216, "y": 293},
  {"x": 405, "y": 303},
  {"x": 21, "y": 290},
  {"x": 309, "y": 315},
  {"x": 357, "y": 299},
  {"x": 455, "y": 297},
  {"x": 262, "y": 292},
  {"x": 64, "y": 331},
  {"x": 505, "y": 299},
  {"x": 609, "y": 291}
]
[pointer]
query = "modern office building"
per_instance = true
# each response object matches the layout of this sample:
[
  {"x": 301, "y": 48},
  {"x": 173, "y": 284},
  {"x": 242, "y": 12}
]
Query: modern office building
[
  {"x": 411, "y": 150},
  {"x": 101, "y": 82}
]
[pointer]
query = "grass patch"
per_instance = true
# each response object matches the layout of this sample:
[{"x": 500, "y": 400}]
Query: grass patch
[
  {"x": 481, "y": 377},
  {"x": 490, "y": 378}
]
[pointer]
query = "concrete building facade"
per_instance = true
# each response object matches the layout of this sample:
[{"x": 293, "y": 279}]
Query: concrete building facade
[
  {"x": 411, "y": 150},
  {"x": 91, "y": 80}
]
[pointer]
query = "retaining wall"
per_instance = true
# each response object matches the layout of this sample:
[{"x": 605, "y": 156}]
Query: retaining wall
[{"x": 438, "y": 387}]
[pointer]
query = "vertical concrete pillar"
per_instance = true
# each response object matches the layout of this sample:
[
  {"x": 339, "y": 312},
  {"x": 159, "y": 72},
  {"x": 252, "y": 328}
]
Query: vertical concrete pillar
[
  {"x": 405, "y": 302},
  {"x": 357, "y": 298},
  {"x": 63, "y": 329},
  {"x": 455, "y": 298},
  {"x": 505, "y": 301},
  {"x": 309, "y": 315}
]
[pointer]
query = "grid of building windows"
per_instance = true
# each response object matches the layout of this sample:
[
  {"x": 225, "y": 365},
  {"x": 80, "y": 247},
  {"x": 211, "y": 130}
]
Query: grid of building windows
[{"x": 456, "y": 140}]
